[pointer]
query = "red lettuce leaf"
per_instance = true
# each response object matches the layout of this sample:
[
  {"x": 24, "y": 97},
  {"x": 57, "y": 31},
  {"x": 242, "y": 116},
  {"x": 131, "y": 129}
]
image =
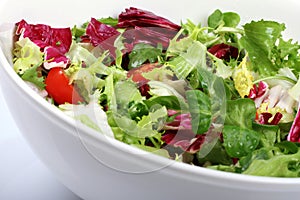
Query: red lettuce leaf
[
  {"x": 178, "y": 133},
  {"x": 148, "y": 35},
  {"x": 44, "y": 35},
  {"x": 133, "y": 17},
  {"x": 184, "y": 139},
  {"x": 276, "y": 119},
  {"x": 224, "y": 51},
  {"x": 98, "y": 32},
  {"x": 55, "y": 58},
  {"x": 294, "y": 134},
  {"x": 140, "y": 27},
  {"x": 145, "y": 27},
  {"x": 258, "y": 91},
  {"x": 101, "y": 35}
]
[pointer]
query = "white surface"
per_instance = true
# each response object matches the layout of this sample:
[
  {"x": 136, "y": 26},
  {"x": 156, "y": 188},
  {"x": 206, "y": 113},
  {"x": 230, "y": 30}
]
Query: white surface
[{"x": 22, "y": 175}]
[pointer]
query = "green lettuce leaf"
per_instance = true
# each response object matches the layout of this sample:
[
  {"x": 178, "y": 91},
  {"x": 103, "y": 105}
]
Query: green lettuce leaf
[
  {"x": 27, "y": 55},
  {"x": 217, "y": 156},
  {"x": 142, "y": 53},
  {"x": 238, "y": 141},
  {"x": 200, "y": 109},
  {"x": 187, "y": 61},
  {"x": 160, "y": 152},
  {"x": 170, "y": 102},
  {"x": 132, "y": 132},
  {"x": 286, "y": 54},
  {"x": 228, "y": 19},
  {"x": 270, "y": 134},
  {"x": 215, "y": 88},
  {"x": 259, "y": 40},
  {"x": 126, "y": 92},
  {"x": 279, "y": 165},
  {"x": 119, "y": 48},
  {"x": 78, "y": 55},
  {"x": 240, "y": 112},
  {"x": 31, "y": 75},
  {"x": 92, "y": 115}
]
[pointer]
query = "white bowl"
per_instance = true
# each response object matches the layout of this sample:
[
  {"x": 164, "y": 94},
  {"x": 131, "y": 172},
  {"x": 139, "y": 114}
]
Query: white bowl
[{"x": 97, "y": 167}]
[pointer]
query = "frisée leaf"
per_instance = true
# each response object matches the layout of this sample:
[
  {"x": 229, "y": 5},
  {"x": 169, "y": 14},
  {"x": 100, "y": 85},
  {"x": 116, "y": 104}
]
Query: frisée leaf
[
  {"x": 31, "y": 75},
  {"x": 283, "y": 165},
  {"x": 259, "y": 40}
]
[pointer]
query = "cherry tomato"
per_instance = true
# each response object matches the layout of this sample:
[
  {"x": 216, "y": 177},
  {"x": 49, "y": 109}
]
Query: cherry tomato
[
  {"x": 59, "y": 88},
  {"x": 136, "y": 73}
]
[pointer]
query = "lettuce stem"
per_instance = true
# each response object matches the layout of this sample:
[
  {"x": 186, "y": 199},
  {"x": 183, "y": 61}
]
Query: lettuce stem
[{"x": 284, "y": 78}]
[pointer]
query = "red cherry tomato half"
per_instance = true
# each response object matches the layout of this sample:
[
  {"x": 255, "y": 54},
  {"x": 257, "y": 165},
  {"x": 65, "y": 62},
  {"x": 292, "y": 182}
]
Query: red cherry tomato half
[
  {"x": 136, "y": 73},
  {"x": 59, "y": 88}
]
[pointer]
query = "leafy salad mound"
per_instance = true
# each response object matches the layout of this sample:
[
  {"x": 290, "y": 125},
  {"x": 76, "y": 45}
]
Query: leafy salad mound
[{"x": 223, "y": 95}]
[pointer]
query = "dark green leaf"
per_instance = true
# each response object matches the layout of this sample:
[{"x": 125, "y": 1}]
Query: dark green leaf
[
  {"x": 231, "y": 92},
  {"x": 214, "y": 87},
  {"x": 77, "y": 32},
  {"x": 137, "y": 110},
  {"x": 231, "y": 19},
  {"x": 200, "y": 109},
  {"x": 216, "y": 156},
  {"x": 142, "y": 53},
  {"x": 239, "y": 141},
  {"x": 269, "y": 133},
  {"x": 215, "y": 19},
  {"x": 240, "y": 112},
  {"x": 287, "y": 147},
  {"x": 31, "y": 75},
  {"x": 170, "y": 102},
  {"x": 228, "y": 19},
  {"x": 109, "y": 21}
]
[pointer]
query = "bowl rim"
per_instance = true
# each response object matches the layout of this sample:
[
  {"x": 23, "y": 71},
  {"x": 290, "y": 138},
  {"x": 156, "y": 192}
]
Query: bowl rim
[{"x": 179, "y": 167}]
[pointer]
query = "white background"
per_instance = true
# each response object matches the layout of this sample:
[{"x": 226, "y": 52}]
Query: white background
[{"x": 22, "y": 175}]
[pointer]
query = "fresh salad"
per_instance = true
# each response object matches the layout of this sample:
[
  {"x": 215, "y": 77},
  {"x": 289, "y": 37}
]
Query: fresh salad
[{"x": 221, "y": 95}]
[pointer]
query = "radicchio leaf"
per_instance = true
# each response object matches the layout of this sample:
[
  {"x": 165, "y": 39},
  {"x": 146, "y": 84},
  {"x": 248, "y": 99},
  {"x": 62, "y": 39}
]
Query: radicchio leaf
[
  {"x": 145, "y": 27},
  {"x": 44, "y": 35},
  {"x": 182, "y": 139},
  {"x": 258, "y": 91},
  {"x": 54, "y": 58},
  {"x": 154, "y": 36},
  {"x": 294, "y": 134},
  {"x": 133, "y": 17},
  {"x": 178, "y": 133},
  {"x": 99, "y": 32},
  {"x": 148, "y": 35},
  {"x": 224, "y": 51},
  {"x": 101, "y": 35},
  {"x": 264, "y": 118},
  {"x": 276, "y": 119}
]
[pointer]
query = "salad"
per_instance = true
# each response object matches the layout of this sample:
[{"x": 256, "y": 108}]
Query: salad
[{"x": 223, "y": 96}]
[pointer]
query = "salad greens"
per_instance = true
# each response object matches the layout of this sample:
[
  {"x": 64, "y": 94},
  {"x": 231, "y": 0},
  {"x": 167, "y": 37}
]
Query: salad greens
[{"x": 223, "y": 95}]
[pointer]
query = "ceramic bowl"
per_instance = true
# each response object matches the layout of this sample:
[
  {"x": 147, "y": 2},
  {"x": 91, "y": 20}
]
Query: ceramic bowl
[{"x": 95, "y": 166}]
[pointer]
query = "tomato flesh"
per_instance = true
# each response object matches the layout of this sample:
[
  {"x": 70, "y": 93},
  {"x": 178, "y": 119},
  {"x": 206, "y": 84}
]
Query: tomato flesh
[
  {"x": 59, "y": 88},
  {"x": 136, "y": 73}
]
